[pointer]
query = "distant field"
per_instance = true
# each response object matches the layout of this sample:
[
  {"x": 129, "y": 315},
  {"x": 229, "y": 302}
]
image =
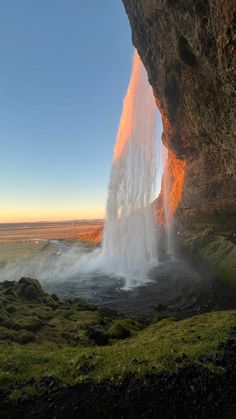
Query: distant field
[
  {"x": 12, "y": 250},
  {"x": 88, "y": 231},
  {"x": 32, "y": 239}
]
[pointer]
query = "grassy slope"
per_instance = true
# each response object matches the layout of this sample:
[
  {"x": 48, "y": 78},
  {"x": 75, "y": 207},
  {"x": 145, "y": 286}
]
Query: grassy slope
[{"x": 62, "y": 347}]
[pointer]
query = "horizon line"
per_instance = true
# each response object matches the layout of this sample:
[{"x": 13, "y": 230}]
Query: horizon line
[{"x": 52, "y": 221}]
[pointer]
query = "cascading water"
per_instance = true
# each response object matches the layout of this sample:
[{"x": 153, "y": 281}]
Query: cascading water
[{"x": 129, "y": 246}]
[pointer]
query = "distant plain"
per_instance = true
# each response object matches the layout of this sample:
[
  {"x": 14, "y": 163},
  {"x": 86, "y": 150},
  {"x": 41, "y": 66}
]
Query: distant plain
[{"x": 23, "y": 239}]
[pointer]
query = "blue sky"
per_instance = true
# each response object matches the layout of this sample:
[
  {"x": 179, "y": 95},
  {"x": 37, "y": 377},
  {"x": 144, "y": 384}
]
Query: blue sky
[{"x": 64, "y": 71}]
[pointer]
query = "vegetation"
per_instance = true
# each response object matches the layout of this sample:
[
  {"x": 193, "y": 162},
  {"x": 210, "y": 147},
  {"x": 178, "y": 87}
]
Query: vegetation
[
  {"x": 73, "y": 342},
  {"x": 28, "y": 314},
  {"x": 218, "y": 250}
]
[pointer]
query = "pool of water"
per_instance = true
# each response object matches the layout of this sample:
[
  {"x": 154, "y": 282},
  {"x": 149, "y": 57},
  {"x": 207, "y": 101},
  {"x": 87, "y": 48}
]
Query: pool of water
[{"x": 176, "y": 286}]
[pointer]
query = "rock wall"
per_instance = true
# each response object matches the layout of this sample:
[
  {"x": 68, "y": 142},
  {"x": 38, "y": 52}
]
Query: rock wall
[{"x": 188, "y": 48}]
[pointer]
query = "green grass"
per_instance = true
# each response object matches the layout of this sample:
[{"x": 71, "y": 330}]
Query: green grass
[
  {"x": 43, "y": 337},
  {"x": 158, "y": 348}
]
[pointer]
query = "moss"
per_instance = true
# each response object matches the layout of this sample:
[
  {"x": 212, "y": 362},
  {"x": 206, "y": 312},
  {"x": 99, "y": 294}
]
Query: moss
[
  {"x": 10, "y": 308},
  {"x": 164, "y": 346},
  {"x": 30, "y": 391},
  {"x": 33, "y": 324},
  {"x": 30, "y": 289},
  {"x": 3, "y": 316},
  {"x": 117, "y": 331},
  {"x": 25, "y": 337},
  {"x": 48, "y": 319},
  {"x": 55, "y": 297},
  {"x": 6, "y": 334},
  {"x": 12, "y": 324},
  {"x": 15, "y": 395},
  {"x": 88, "y": 318},
  {"x": 218, "y": 250},
  {"x": 61, "y": 347}
]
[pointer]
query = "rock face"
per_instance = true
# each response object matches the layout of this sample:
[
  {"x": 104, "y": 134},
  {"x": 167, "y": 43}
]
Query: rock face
[{"x": 188, "y": 48}]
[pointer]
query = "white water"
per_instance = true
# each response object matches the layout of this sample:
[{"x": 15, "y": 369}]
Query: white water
[{"x": 129, "y": 247}]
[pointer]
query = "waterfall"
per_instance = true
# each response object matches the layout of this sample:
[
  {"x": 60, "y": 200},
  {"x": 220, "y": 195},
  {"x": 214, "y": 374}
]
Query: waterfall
[{"x": 129, "y": 247}]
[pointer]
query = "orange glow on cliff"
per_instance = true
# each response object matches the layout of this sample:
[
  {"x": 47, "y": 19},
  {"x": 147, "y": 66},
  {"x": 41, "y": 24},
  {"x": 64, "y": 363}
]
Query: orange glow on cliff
[
  {"x": 174, "y": 171},
  {"x": 126, "y": 121}
]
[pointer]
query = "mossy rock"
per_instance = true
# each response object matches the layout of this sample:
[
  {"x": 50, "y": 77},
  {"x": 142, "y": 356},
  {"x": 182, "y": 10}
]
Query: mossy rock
[
  {"x": 50, "y": 302},
  {"x": 33, "y": 324},
  {"x": 118, "y": 331},
  {"x": 12, "y": 324},
  {"x": 52, "y": 321},
  {"x": 54, "y": 297},
  {"x": 31, "y": 293},
  {"x": 30, "y": 289}
]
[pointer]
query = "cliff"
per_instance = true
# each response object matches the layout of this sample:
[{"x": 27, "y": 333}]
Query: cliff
[{"x": 188, "y": 48}]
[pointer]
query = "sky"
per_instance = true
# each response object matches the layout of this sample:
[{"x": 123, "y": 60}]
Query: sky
[{"x": 64, "y": 70}]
